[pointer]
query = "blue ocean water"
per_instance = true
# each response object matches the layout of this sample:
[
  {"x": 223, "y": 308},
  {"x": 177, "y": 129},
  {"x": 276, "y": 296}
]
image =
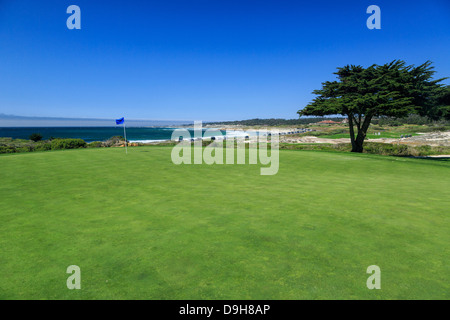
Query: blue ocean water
[{"x": 90, "y": 134}]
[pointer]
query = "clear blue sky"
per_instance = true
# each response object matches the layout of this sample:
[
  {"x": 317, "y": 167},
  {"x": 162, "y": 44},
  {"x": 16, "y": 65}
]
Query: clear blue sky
[{"x": 200, "y": 60}]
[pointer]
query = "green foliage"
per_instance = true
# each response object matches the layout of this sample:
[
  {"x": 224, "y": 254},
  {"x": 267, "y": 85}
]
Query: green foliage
[
  {"x": 341, "y": 147},
  {"x": 36, "y": 137},
  {"x": 42, "y": 146},
  {"x": 95, "y": 144},
  {"x": 393, "y": 89},
  {"x": 444, "y": 102},
  {"x": 24, "y": 148},
  {"x": 327, "y": 133},
  {"x": 387, "y": 149},
  {"x": 403, "y": 150},
  {"x": 7, "y": 149},
  {"x": 8, "y": 145},
  {"x": 58, "y": 144}
]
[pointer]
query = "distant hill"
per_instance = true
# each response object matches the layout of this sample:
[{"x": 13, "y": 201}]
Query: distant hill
[
  {"x": 411, "y": 119},
  {"x": 275, "y": 122}
]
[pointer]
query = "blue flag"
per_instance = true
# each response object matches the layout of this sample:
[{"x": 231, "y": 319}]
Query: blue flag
[{"x": 120, "y": 121}]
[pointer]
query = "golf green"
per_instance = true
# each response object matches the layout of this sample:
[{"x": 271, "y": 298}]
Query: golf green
[{"x": 140, "y": 227}]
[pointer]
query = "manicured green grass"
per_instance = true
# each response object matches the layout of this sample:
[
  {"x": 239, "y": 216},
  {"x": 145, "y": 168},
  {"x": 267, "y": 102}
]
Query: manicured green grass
[{"x": 140, "y": 227}]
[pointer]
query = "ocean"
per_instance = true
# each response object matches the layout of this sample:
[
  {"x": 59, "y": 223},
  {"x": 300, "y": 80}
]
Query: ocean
[{"x": 89, "y": 134}]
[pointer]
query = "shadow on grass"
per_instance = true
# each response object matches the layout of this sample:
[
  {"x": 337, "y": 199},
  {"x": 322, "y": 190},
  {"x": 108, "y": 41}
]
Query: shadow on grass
[{"x": 442, "y": 159}]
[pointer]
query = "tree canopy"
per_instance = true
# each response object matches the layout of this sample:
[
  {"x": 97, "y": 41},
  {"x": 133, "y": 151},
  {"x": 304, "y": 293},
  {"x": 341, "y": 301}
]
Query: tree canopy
[
  {"x": 393, "y": 89},
  {"x": 36, "y": 137}
]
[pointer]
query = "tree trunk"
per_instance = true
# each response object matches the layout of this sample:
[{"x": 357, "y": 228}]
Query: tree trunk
[
  {"x": 357, "y": 145},
  {"x": 352, "y": 133}
]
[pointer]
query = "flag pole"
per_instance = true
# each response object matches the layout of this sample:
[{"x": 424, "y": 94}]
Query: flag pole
[{"x": 125, "y": 134}]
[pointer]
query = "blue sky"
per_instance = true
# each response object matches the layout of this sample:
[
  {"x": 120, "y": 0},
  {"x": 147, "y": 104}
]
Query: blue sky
[{"x": 200, "y": 60}]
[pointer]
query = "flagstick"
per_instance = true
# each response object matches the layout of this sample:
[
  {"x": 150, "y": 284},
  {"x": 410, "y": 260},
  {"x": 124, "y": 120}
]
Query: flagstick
[{"x": 125, "y": 134}]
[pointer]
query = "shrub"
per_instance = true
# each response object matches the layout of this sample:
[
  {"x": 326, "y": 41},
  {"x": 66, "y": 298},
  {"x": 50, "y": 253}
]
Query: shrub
[
  {"x": 340, "y": 147},
  {"x": 95, "y": 144},
  {"x": 387, "y": 149},
  {"x": 59, "y": 144},
  {"x": 43, "y": 146},
  {"x": 24, "y": 149},
  {"x": 7, "y": 149}
]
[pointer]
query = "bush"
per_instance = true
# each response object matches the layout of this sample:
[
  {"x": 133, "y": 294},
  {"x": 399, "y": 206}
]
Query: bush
[
  {"x": 24, "y": 149},
  {"x": 387, "y": 149},
  {"x": 424, "y": 150},
  {"x": 95, "y": 144},
  {"x": 59, "y": 144},
  {"x": 340, "y": 147},
  {"x": 7, "y": 149},
  {"x": 43, "y": 146}
]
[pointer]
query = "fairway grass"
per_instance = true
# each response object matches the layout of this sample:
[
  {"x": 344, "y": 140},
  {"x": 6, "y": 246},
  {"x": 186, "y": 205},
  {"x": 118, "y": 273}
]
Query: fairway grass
[{"x": 140, "y": 227}]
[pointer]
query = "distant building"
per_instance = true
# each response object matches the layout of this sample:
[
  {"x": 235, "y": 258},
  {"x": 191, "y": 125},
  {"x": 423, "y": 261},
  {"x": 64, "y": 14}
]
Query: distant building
[{"x": 345, "y": 120}]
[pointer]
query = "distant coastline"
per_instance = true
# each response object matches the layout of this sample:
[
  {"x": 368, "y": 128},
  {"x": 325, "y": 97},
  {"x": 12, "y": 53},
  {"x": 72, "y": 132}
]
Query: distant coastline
[{"x": 10, "y": 121}]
